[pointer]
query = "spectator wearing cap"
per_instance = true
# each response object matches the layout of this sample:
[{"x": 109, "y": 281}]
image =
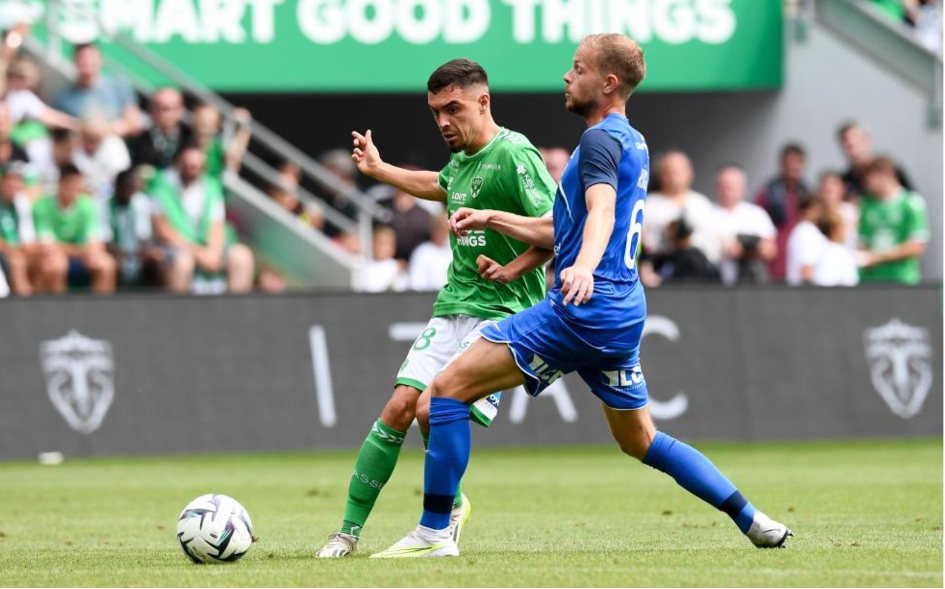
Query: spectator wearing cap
[
  {"x": 780, "y": 198},
  {"x": 894, "y": 226}
]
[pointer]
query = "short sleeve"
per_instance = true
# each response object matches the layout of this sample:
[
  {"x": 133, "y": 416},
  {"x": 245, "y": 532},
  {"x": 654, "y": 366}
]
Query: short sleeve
[
  {"x": 599, "y": 158},
  {"x": 41, "y": 221},
  {"x": 217, "y": 212},
  {"x": 533, "y": 184},
  {"x": 918, "y": 220},
  {"x": 766, "y": 229},
  {"x": 93, "y": 226},
  {"x": 444, "y": 178}
]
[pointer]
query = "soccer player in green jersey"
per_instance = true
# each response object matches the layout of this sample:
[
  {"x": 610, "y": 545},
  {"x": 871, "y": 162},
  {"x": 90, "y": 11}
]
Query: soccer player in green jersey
[
  {"x": 894, "y": 226},
  {"x": 491, "y": 277}
]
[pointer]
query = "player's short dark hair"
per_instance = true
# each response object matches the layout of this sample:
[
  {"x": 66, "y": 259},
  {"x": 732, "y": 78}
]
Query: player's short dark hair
[
  {"x": 461, "y": 73},
  {"x": 68, "y": 171},
  {"x": 793, "y": 149},
  {"x": 619, "y": 55}
]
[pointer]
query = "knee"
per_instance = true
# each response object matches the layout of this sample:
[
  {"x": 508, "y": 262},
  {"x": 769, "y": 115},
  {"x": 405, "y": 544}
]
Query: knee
[
  {"x": 183, "y": 263},
  {"x": 423, "y": 413},
  {"x": 54, "y": 264},
  {"x": 102, "y": 263},
  {"x": 399, "y": 412},
  {"x": 16, "y": 260},
  {"x": 447, "y": 384},
  {"x": 240, "y": 258},
  {"x": 637, "y": 445}
]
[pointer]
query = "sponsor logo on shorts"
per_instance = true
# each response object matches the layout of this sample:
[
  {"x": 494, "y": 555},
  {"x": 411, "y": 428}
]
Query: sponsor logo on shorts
[
  {"x": 543, "y": 371},
  {"x": 624, "y": 378}
]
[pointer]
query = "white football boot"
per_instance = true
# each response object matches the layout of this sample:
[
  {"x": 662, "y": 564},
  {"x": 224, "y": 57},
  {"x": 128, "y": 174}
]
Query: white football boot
[
  {"x": 339, "y": 545},
  {"x": 422, "y": 543},
  {"x": 459, "y": 516},
  {"x": 767, "y": 533}
]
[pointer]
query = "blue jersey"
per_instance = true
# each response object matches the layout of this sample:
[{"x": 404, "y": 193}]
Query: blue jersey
[{"x": 611, "y": 152}]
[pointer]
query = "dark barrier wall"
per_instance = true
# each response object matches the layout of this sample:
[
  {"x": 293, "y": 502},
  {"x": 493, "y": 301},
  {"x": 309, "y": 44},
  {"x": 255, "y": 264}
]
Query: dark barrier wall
[{"x": 153, "y": 374}]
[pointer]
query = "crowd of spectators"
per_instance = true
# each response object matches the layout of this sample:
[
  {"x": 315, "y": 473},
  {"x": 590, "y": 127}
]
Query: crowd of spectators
[
  {"x": 96, "y": 194},
  {"x": 863, "y": 224},
  {"x": 923, "y": 16}
]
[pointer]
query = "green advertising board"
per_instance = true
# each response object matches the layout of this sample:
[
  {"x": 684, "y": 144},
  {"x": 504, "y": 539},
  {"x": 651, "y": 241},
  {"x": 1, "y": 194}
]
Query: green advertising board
[{"x": 393, "y": 45}]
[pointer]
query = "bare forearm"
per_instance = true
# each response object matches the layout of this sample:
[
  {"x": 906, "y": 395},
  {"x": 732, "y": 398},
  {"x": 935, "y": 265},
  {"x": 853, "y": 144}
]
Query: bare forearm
[
  {"x": 422, "y": 184},
  {"x": 533, "y": 257},
  {"x": 234, "y": 155},
  {"x": 535, "y": 231},
  {"x": 909, "y": 249},
  {"x": 597, "y": 231}
]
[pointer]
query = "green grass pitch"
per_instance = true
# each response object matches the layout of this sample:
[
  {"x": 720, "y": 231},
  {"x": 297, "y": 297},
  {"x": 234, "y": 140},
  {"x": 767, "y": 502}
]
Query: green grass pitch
[{"x": 865, "y": 513}]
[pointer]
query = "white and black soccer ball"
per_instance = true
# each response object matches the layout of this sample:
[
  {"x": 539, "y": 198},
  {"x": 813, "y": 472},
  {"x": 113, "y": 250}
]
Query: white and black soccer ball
[{"x": 214, "y": 528}]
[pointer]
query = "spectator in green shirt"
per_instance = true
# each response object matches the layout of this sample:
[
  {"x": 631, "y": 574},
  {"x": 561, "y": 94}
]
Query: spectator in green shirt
[
  {"x": 894, "y": 227},
  {"x": 17, "y": 236},
  {"x": 189, "y": 218},
  {"x": 68, "y": 224}
]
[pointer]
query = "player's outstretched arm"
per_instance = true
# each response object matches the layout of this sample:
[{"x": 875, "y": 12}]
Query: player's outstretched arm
[
  {"x": 420, "y": 183},
  {"x": 530, "y": 259},
  {"x": 577, "y": 282},
  {"x": 536, "y": 231}
]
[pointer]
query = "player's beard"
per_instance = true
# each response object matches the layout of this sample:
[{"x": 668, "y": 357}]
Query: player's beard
[{"x": 582, "y": 108}]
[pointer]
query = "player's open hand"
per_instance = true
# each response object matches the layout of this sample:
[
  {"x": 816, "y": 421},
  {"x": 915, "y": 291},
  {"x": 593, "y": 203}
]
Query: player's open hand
[
  {"x": 577, "y": 284},
  {"x": 493, "y": 271},
  {"x": 365, "y": 154},
  {"x": 466, "y": 219}
]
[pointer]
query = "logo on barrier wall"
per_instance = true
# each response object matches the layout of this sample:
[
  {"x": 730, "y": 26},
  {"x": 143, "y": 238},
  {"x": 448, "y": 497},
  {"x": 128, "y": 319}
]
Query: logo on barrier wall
[
  {"x": 79, "y": 379},
  {"x": 900, "y": 365}
]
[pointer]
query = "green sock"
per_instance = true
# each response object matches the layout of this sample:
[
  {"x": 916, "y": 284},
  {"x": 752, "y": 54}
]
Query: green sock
[
  {"x": 375, "y": 464},
  {"x": 458, "y": 500}
]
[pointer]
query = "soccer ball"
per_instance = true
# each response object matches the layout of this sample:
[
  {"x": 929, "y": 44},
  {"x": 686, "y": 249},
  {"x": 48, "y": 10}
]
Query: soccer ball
[{"x": 214, "y": 528}]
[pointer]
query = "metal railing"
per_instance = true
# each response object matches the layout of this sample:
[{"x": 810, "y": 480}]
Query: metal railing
[
  {"x": 889, "y": 43},
  {"x": 367, "y": 210}
]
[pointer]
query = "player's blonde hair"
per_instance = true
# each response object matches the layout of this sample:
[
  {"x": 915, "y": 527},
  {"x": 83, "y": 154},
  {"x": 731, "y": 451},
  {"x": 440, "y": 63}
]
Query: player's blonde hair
[{"x": 621, "y": 56}]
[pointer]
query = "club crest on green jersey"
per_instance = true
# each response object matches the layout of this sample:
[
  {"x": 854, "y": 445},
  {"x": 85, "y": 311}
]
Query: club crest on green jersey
[{"x": 476, "y": 186}]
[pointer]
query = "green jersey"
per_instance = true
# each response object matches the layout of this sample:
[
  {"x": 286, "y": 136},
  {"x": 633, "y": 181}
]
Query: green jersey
[
  {"x": 77, "y": 225},
  {"x": 887, "y": 224},
  {"x": 507, "y": 174},
  {"x": 16, "y": 221}
]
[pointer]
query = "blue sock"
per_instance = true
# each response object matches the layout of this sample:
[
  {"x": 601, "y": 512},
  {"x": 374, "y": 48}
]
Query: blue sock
[
  {"x": 446, "y": 460},
  {"x": 696, "y": 474}
]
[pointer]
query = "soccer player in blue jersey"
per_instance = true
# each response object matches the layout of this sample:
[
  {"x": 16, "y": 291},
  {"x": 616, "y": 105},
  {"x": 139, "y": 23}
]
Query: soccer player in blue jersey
[{"x": 591, "y": 322}]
